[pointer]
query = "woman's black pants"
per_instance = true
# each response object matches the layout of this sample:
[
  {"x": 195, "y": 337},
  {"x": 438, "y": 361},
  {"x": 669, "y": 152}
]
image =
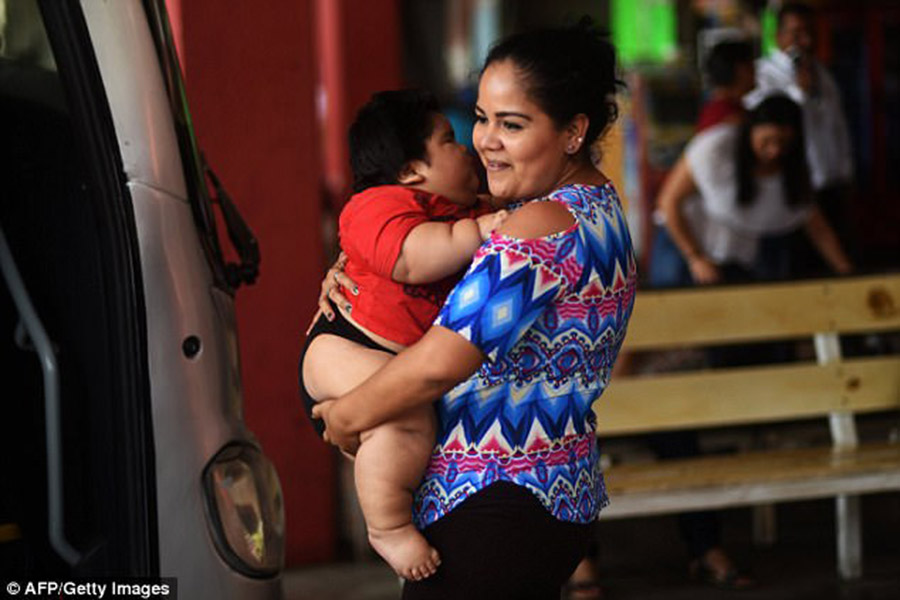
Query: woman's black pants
[{"x": 501, "y": 543}]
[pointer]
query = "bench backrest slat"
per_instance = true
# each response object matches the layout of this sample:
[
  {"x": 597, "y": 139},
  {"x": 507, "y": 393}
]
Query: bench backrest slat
[
  {"x": 747, "y": 395},
  {"x": 678, "y": 318}
]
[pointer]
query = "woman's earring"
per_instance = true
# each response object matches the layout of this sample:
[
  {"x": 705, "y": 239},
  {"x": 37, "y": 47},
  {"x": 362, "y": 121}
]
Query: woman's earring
[{"x": 573, "y": 148}]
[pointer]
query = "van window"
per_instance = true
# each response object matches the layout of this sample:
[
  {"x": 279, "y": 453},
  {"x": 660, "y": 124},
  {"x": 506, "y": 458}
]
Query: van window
[{"x": 27, "y": 67}]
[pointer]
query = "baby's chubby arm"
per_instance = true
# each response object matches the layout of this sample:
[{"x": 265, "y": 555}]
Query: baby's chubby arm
[{"x": 435, "y": 250}]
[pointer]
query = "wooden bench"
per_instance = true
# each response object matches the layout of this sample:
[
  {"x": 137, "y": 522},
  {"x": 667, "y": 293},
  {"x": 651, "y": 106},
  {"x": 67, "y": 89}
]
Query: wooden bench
[{"x": 831, "y": 388}]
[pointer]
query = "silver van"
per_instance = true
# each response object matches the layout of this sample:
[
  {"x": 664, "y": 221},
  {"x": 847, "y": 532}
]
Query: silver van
[{"x": 123, "y": 450}]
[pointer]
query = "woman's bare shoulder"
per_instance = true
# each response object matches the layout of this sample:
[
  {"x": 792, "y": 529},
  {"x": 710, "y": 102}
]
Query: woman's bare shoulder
[{"x": 537, "y": 219}]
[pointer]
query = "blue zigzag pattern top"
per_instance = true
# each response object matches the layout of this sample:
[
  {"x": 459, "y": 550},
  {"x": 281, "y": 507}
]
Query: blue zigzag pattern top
[{"x": 550, "y": 315}]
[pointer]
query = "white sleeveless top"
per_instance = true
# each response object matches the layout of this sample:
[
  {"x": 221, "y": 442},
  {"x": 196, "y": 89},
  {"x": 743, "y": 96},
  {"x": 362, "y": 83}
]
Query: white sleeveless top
[{"x": 726, "y": 231}]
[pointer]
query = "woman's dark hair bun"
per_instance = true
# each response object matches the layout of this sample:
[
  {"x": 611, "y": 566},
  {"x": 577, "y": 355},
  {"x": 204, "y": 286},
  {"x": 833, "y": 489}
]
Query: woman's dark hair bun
[{"x": 568, "y": 70}]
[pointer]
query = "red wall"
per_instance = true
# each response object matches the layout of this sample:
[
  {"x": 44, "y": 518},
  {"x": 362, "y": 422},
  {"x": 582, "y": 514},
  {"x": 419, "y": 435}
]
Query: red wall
[
  {"x": 250, "y": 77},
  {"x": 251, "y": 72},
  {"x": 359, "y": 43}
]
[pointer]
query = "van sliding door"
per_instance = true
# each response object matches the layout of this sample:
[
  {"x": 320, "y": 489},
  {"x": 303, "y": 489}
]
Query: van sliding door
[{"x": 67, "y": 215}]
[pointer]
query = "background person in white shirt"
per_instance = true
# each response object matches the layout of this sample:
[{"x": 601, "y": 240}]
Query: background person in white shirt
[
  {"x": 736, "y": 185},
  {"x": 728, "y": 204},
  {"x": 792, "y": 69}
]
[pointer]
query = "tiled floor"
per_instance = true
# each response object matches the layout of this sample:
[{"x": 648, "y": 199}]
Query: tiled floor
[{"x": 644, "y": 559}]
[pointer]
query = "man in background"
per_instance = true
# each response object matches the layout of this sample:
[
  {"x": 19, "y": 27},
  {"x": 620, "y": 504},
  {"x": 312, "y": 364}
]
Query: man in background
[
  {"x": 731, "y": 75},
  {"x": 792, "y": 69}
]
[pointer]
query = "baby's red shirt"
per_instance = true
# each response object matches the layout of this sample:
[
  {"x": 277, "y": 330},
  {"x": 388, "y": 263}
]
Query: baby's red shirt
[{"x": 372, "y": 227}]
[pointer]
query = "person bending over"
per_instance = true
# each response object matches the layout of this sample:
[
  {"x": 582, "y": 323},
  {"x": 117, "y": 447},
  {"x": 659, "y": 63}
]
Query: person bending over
[{"x": 737, "y": 190}]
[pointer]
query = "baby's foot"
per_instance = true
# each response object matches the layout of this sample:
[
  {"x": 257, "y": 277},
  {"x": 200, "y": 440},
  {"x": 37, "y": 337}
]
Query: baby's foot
[{"x": 406, "y": 551}]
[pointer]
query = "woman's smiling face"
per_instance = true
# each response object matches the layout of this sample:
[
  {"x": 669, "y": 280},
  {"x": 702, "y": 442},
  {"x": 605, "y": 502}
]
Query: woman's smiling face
[{"x": 522, "y": 149}]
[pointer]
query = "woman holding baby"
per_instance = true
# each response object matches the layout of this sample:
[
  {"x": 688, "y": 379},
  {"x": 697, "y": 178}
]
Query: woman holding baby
[{"x": 525, "y": 342}]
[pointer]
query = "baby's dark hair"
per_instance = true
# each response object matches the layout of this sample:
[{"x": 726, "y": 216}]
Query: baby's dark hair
[
  {"x": 724, "y": 58},
  {"x": 388, "y": 132},
  {"x": 568, "y": 70}
]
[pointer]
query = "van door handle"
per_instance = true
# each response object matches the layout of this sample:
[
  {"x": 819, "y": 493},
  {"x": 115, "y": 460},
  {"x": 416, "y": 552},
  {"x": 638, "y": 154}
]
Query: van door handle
[{"x": 44, "y": 348}]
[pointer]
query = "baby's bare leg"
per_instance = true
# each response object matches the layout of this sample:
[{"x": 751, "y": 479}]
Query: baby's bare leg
[
  {"x": 389, "y": 466},
  {"x": 390, "y": 461},
  {"x": 333, "y": 366}
]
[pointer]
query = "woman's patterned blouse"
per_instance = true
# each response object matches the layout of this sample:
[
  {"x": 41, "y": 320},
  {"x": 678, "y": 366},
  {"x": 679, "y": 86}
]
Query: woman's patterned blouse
[{"x": 550, "y": 316}]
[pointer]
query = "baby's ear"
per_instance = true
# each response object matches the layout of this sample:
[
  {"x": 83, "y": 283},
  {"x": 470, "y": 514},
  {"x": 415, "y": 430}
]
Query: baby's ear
[{"x": 412, "y": 173}]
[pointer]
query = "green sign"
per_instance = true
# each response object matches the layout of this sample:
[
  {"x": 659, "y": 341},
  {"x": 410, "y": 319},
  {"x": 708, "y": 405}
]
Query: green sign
[{"x": 644, "y": 30}]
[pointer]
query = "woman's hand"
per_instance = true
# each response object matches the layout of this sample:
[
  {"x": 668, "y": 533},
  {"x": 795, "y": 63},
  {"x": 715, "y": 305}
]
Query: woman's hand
[
  {"x": 334, "y": 280},
  {"x": 336, "y": 431},
  {"x": 826, "y": 241},
  {"x": 677, "y": 188},
  {"x": 703, "y": 270}
]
